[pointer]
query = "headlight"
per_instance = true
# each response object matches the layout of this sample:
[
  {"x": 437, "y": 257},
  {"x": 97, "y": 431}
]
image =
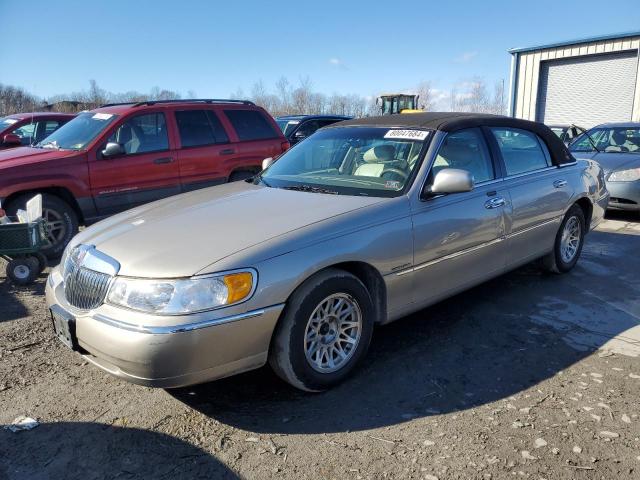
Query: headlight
[
  {"x": 630, "y": 175},
  {"x": 182, "y": 296}
]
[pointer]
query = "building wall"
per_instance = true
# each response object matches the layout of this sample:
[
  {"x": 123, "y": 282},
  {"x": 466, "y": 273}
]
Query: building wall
[{"x": 528, "y": 71}]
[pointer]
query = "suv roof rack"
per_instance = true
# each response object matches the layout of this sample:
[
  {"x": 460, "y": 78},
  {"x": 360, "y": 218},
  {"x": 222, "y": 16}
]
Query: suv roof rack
[{"x": 186, "y": 100}]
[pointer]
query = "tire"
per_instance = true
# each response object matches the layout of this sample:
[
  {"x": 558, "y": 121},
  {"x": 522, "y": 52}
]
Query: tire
[
  {"x": 302, "y": 346},
  {"x": 42, "y": 262},
  {"x": 241, "y": 175},
  {"x": 59, "y": 215},
  {"x": 558, "y": 260},
  {"x": 23, "y": 271}
]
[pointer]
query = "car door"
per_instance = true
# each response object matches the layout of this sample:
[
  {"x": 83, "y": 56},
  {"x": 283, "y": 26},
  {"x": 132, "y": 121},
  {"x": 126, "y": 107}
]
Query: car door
[
  {"x": 458, "y": 237},
  {"x": 205, "y": 155},
  {"x": 146, "y": 171},
  {"x": 539, "y": 192}
]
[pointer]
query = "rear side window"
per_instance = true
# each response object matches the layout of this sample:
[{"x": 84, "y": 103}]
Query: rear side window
[
  {"x": 250, "y": 125},
  {"x": 50, "y": 127},
  {"x": 200, "y": 127},
  {"x": 521, "y": 150},
  {"x": 142, "y": 134}
]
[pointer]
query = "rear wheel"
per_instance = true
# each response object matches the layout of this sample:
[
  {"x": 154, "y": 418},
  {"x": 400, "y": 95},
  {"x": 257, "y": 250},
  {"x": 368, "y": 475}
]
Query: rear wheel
[
  {"x": 568, "y": 243},
  {"x": 324, "y": 333},
  {"x": 61, "y": 218}
]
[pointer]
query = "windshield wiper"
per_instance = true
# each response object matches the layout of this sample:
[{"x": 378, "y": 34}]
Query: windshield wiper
[
  {"x": 309, "y": 188},
  {"x": 593, "y": 143}
]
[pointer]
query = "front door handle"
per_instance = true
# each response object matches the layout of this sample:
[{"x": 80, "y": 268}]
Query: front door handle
[
  {"x": 163, "y": 160},
  {"x": 495, "y": 203},
  {"x": 227, "y": 151},
  {"x": 560, "y": 183}
]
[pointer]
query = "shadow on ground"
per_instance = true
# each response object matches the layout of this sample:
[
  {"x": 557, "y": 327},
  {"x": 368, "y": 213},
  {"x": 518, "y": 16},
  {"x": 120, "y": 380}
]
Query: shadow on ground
[
  {"x": 91, "y": 450},
  {"x": 484, "y": 345},
  {"x": 12, "y": 307}
]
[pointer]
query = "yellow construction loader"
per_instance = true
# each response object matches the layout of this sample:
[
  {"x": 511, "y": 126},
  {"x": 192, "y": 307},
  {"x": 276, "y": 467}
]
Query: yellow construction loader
[{"x": 391, "y": 103}]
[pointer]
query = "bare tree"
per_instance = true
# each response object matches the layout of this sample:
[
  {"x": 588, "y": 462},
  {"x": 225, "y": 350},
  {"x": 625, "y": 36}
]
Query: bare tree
[{"x": 426, "y": 98}]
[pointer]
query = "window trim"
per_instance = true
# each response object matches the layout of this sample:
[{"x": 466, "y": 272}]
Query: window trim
[{"x": 545, "y": 153}]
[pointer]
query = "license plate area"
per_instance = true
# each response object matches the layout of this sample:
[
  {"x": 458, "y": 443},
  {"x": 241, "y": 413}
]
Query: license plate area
[{"x": 64, "y": 326}]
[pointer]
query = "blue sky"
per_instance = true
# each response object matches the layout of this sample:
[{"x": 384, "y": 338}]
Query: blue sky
[{"x": 213, "y": 47}]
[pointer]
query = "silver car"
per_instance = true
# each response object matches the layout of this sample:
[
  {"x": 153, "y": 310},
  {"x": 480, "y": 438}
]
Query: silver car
[
  {"x": 616, "y": 147},
  {"x": 362, "y": 223}
]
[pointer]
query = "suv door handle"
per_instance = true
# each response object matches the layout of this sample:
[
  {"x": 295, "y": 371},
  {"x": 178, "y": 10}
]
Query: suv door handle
[
  {"x": 560, "y": 183},
  {"x": 160, "y": 161},
  {"x": 495, "y": 203},
  {"x": 227, "y": 151}
]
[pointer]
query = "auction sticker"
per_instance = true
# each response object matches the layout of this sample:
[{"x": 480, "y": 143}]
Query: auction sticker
[
  {"x": 102, "y": 116},
  {"x": 407, "y": 134}
]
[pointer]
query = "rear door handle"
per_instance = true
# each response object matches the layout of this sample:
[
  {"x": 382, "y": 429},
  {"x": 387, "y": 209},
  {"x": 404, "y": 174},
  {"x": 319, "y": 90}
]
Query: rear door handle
[
  {"x": 495, "y": 203},
  {"x": 560, "y": 183},
  {"x": 160, "y": 161},
  {"x": 227, "y": 151}
]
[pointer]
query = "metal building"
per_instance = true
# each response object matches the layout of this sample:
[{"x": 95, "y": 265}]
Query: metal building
[{"x": 583, "y": 82}]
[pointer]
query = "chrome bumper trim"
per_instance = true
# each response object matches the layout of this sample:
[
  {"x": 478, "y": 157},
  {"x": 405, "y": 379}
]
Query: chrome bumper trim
[{"x": 187, "y": 327}]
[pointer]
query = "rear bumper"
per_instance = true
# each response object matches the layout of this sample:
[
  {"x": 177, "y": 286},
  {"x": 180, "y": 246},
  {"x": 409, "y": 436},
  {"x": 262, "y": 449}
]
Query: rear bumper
[
  {"x": 624, "y": 195},
  {"x": 169, "y": 356}
]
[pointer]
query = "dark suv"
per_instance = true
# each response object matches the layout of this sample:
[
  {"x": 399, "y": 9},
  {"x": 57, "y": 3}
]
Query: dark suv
[
  {"x": 23, "y": 129},
  {"x": 121, "y": 155},
  {"x": 299, "y": 127}
]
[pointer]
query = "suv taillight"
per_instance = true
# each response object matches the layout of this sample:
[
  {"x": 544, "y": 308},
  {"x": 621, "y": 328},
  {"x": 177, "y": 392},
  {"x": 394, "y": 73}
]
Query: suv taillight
[{"x": 285, "y": 146}]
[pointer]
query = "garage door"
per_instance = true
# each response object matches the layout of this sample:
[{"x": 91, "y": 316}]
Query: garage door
[{"x": 587, "y": 90}]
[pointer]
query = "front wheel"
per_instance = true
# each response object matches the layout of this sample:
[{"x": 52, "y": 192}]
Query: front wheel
[
  {"x": 568, "y": 243},
  {"x": 324, "y": 333}
]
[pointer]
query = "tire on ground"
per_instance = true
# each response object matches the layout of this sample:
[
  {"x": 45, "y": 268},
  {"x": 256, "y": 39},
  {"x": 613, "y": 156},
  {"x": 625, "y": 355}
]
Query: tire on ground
[
  {"x": 287, "y": 355},
  {"x": 553, "y": 262}
]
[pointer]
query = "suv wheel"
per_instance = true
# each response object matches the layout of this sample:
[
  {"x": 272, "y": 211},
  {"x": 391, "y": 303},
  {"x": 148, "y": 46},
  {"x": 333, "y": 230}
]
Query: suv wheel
[
  {"x": 324, "y": 333},
  {"x": 568, "y": 244},
  {"x": 61, "y": 218}
]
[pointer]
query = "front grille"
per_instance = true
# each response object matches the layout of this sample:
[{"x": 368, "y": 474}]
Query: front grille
[{"x": 84, "y": 288}]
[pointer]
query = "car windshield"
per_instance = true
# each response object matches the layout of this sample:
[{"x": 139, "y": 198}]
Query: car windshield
[
  {"x": 377, "y": 162},
  {"x": 79, "y": 132},
  {"x": 7, "y": 122},
  {"x": 608, "y": 139},
  {"x": 287, "y": 126}
]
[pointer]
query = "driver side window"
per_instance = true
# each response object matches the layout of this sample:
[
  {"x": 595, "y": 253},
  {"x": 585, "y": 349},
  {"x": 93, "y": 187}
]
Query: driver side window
[
  {"x": 142, "y": 134},
  {"x": 466, "y": 150}
]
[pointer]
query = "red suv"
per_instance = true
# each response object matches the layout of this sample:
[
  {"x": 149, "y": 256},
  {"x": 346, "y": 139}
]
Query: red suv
[
  {"x": 29, "y": 128},
  {"x": 122, "y": 155}
]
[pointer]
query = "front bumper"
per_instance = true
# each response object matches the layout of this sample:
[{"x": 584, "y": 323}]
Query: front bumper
[
  {"x": 152, "y": 351},
  {"x": 624, "y": 195}
]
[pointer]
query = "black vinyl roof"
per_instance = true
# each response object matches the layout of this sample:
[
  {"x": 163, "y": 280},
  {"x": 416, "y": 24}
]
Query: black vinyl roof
[{"x": 452, "y": 121}]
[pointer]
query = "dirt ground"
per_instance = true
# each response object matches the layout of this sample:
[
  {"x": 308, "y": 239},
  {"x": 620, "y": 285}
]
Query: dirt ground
[{"x": 527, "y": 376}]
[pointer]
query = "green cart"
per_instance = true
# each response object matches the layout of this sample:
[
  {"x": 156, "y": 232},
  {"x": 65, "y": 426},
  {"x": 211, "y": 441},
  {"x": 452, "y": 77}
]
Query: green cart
[{"x": 20, "y": 245}]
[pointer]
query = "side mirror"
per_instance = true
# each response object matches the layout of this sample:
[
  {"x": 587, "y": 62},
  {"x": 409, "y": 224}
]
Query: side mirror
[
  {"x": 267, "y": 162},
  {"x": 450, "y": 180},
  {"x": 113, "y": 149},
  {"x": 12, "y": 139}
]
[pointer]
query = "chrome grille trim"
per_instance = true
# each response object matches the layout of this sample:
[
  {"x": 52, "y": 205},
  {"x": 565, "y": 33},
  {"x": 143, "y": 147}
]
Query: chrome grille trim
[{"x": 84, "y": 288}]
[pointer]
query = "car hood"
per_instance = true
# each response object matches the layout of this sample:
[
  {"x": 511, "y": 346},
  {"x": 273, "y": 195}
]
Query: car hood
[
  {"x": 611, "y": 161},
  {"x": 181, "y": 235},
  {"x": 26, "y": 155}
]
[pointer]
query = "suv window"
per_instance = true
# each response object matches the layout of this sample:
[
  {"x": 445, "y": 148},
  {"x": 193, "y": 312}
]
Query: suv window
[
  {"x": 142, "y": 133},
  {"x": 26, "y": 133},
  {"x": 250, "y": 124},
  {"x": 200, "y": 127},
  {"x": 50, "y": 126},
  {"x": 309, "y": 127},
  {"x": 521, "y": 150},
  {"x": 467, "y": 150}
]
